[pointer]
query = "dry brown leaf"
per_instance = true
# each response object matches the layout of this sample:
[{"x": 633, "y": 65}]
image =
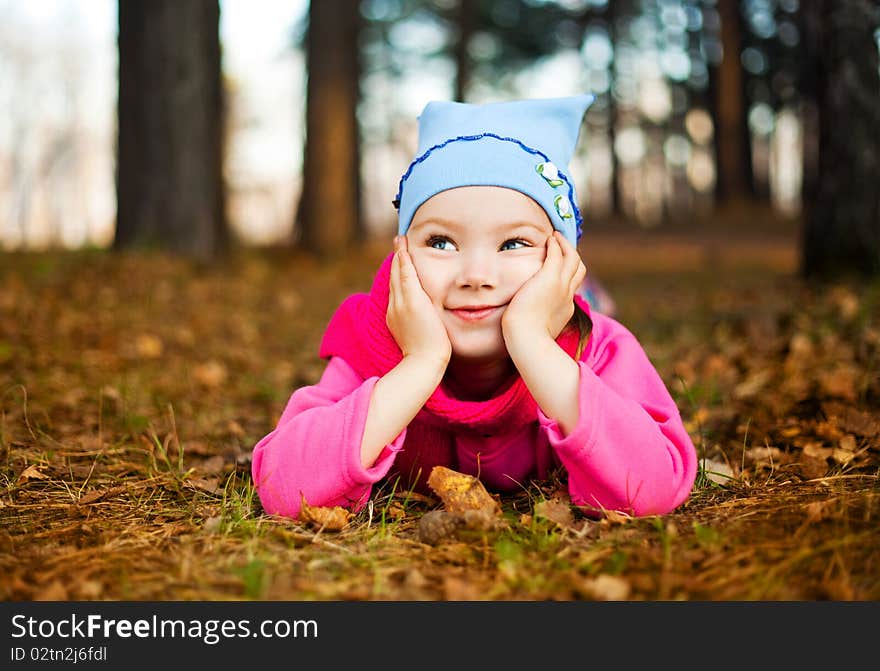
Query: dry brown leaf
[
  {"x": 811, "y": 468},
  {"x": 846, "y": 450},
  {"x": 235, "y": 429},
  {"x": 212, "y": 465},
  {"x": 460, "y": 589},
  {"x": 847, "y": 302},
  {"x": 395, "y": 511},
  {"x": 753, "y": 385},
  {"x": 606, "y": 587},
  {"x": 99, "y": 494},
  {"x": 556, "y": 511},
  {"x": 853, "y": 420},
  {"x": 210, "y": 374},
  {"x": 327, "y": 518},
  {"x": 816, "y": 451},
  {"x": 460, "y": 492},
  {"x": 149, "y": 346},
  {"x": 415, "y": 497},
  {"x": 615, "y": 517},
  {"x": 54, "y": 591},
  {"x": 841, "y": 381},
  {"x": 31, "y": 473},
  {"x": 765, "y": 454},
  {"x": 207, "y": 485}
]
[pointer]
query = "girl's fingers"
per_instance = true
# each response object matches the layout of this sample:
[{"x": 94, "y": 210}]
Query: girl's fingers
[
  {"x": 571, "y": 260},
  {"x": 554, "y": 253},
  {"x": 578, "y": 279},
  {"x": 407, "y": 269},
  {"x": 394, "y": 278}
]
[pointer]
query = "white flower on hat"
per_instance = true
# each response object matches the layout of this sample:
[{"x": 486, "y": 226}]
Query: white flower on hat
[
  {"x": 563, "y": 206},
  {"x": 550, "y": 172}
]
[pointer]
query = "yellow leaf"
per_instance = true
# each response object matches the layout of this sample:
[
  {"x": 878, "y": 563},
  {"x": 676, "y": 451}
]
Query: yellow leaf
[
  {"x": 460, "y": 492},
  {"x": 149, "y": 346},
  {"x": 330, "y": 519}
]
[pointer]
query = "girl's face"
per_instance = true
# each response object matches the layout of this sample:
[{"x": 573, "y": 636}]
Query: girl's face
[{"x": 473, "y": 248}]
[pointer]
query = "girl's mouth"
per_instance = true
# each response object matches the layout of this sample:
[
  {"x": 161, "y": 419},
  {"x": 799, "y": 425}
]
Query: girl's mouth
[{"x": 476, "y": 313}]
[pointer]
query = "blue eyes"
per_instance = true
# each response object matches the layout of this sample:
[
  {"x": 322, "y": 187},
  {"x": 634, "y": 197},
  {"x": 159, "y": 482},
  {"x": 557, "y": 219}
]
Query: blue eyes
[
  {"x": 445, "y": 244},
  {"x": 438, "y": 243}
]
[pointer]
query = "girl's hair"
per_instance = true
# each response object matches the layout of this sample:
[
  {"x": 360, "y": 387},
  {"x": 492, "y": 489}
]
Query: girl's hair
[{"x": 582, "y": 322}]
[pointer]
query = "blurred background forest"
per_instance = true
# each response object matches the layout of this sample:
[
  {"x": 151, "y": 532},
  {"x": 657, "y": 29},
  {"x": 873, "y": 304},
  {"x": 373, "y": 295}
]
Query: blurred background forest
[{"x": 203, "y": 125}]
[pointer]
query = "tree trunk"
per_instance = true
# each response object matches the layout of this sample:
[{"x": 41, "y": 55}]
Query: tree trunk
[
  {"x": 732, "y": 150},
  {"x": 842, "y": 218},
  {"x": 170, "y": 192},
  {"x": 466, "y": 21},
  {"x": 329, "y": 217}
]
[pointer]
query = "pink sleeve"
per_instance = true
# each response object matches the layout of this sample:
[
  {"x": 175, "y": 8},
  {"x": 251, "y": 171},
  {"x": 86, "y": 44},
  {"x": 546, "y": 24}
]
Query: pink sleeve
[
  {"x": 629, "y": 450},
  {"x": 315, "y": 449}
]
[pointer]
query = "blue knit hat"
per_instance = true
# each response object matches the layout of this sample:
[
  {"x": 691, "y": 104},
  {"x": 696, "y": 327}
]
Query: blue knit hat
[{"x": 524, "y": 145}]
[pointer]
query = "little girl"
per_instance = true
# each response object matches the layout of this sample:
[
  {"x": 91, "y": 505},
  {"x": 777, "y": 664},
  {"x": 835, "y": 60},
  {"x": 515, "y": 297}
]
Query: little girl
[{"x": 474, "y": 349}]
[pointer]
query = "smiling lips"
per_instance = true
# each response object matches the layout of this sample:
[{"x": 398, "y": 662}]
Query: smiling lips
[{"x": 476, "y": 313}]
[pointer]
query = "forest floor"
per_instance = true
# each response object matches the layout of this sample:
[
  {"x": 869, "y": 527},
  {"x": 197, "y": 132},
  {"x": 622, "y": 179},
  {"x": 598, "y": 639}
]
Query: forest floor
[{"x": 134, "y": 386}]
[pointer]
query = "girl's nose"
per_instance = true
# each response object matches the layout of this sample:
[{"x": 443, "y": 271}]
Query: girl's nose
[{"x": 477, "y": 270}]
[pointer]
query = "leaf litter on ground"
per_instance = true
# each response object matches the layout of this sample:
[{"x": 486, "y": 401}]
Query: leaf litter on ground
[{"x": 133, "y": 388}]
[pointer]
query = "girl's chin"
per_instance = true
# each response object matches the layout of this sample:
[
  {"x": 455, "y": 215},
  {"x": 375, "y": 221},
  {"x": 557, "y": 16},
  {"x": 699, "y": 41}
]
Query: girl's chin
[{"x": 476, "y": 353}]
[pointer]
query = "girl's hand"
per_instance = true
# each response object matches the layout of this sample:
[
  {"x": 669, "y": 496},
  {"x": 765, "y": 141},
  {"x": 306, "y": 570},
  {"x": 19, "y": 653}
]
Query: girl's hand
[
  {"x": 545, "y": 303},
  {"x": 412, "y": 318}
]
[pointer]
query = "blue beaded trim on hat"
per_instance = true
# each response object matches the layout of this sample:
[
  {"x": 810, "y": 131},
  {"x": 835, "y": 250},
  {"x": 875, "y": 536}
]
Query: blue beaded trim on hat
[{"x": 536, "y": 152}]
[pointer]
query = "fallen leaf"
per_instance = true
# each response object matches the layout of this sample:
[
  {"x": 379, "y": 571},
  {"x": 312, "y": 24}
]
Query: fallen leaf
[
  {"x": 615, "y": 517},
  {"x": 816, "y": 451},
  {"x": 606, "y": 587},
  {"x": 31, "y": 473},
  {"x": 764, "y": 454},
  {"x": 212, "y": 465},
  {"x": 853, "y": 420},
  {"x": 212, "y": 524},
  {"x": 841, "y": 381},
  {"x": 235, "y": 429},
  {"x": 207, "y": 485},
  {"x": 846, "y": 450},
  {"x": 460, "y": 492},
  {"x": 89, "y": 590},
  {"x": 555, "y": 511},
  {"x": 753, "y": 385},
  {"x": 717, "y": 471},
  {"x": 395, "y": 511},
  {"x": 415, "y": 497},
  {"x": 210, "y": 374},
  {"x": 98, "y": 494},
  {"x": 460, "y": 589},
  {"x": 149, "y": 346},
  {"x": 847, "y": 302},
  {"x": 54, "y": 591},
  {"x": 811, "y": 468},
  {"x": 327, "y": 518}
]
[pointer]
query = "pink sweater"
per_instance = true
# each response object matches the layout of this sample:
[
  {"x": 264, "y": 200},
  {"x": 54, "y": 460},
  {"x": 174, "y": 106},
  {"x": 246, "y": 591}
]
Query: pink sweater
[{"x": 628, "y": 452}]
